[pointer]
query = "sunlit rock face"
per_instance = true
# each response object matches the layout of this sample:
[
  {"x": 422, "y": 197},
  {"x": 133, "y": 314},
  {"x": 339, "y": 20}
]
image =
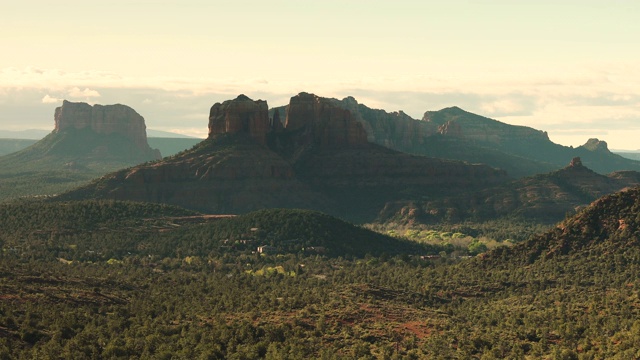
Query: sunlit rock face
[{"x": 240, "y": 115}]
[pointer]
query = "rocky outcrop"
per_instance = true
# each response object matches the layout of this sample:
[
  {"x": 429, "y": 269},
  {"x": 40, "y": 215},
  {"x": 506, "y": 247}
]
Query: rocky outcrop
[
  {"x": 105, "y": 120},
  {"x": 309, "y": 120},
  {"x": 575, "y": 162},
  {"x": 241, "y": 115},
  {"x": 323, "y": 122},
  {"x": 596, "y": 145}
]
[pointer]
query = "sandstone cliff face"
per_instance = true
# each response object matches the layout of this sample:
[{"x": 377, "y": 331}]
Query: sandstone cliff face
[
  {"x": 240, "y": 115},
  {"x": 323, "y": 122}
]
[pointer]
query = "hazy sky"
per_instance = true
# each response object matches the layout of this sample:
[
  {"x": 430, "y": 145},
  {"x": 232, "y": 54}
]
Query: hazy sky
[{"x": 571, "y": 68}]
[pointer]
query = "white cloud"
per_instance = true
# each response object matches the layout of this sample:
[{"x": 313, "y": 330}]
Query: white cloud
[
  {"x": 504, "y": 107},
  {"x": 578, "y": 99},
  {"x": 86, "y": 93},
  {"x": 47, "y": 99},
  {"x": 201, "y": 133}
]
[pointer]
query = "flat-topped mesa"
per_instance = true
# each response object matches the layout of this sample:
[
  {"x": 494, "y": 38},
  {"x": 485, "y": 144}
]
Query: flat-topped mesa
[
  {"x": 240, "y": 115},
  {"x": 324, "y": 121},
  {"x": 103, "y": 119}
]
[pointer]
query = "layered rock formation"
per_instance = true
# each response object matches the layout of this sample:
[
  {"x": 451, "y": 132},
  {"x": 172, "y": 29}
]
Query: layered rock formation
[
  {"x": 322, "y": 122},
  {"x": 105, "y": 120},
  {"x": 241, "y": 115},
  {"x": 443, "y": 139},
  {"x": 596, "y": 145}
]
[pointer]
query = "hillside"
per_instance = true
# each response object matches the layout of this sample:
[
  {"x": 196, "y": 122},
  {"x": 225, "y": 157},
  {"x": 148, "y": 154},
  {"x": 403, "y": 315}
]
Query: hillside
[
  {"x": 545, "y": 198},
  {"x": 609, "y": 226},
  {"x": 224, "y": 174},
  {"x": 319, "y": 159},
  {"x": 167, "y": 143},
  {"x": 570, "y": 292}
]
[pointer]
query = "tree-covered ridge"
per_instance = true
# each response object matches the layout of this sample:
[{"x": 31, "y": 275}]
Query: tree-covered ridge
[
  {"x": 78, "y": 216},
  {"x": 102, "y": 230},
  {"x": 543, "y": 198},
  {"x": 610, "y": 224},
  {"x": 298, "y": 229}
]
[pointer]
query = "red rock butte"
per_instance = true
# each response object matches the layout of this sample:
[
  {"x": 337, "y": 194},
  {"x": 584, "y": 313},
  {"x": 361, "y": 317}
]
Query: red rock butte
[
  {"x": 310, "y": 117},
  {"x": 240, "y": 115}
]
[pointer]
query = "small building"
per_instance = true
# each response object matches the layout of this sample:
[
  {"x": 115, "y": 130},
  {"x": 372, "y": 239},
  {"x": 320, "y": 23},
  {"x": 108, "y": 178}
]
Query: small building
[
  {"x": 316, "y": 249},
  {"x": 267, "y": 249}
]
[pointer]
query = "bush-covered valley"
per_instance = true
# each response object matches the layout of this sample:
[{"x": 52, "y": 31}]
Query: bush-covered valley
[{"x": 104, "y": 279}]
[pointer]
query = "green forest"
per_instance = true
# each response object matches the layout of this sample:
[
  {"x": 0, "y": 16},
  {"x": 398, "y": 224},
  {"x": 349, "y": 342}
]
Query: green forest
[{"x": 106, "y": 279}]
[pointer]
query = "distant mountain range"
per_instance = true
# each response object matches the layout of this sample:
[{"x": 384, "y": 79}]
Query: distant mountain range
[
  {"x": 450, "y": 133},
  {"x": 332, "y": 155},
  {"x": 453, "y": 133}
]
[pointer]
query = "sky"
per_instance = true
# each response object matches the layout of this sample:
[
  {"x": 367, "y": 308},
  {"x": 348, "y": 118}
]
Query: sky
[{"x": 571, "y": 68}]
